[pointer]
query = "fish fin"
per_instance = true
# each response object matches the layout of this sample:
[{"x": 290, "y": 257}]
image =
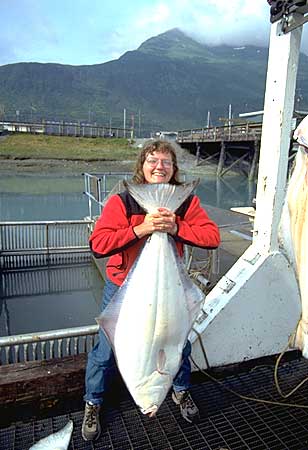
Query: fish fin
[
  {"x": 155, "y": 195},
  {"x": 151, "y": 411}
]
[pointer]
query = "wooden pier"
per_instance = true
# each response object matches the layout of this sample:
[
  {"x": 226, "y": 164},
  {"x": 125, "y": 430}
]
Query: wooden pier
[{"x": 231, "y": 147}]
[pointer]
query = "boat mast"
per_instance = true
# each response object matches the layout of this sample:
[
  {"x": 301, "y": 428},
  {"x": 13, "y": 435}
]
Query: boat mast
[{"x": 278, "y": 113}]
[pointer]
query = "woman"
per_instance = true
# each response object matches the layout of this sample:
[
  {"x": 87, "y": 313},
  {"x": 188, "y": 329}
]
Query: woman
[{"x": 120, "y": 233}]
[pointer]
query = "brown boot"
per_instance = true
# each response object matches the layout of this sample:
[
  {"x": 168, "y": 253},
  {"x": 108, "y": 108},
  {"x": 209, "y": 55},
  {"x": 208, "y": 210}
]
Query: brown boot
[
  {"x": 91, "y": 427},
  {"x": 189, "y": 409}
]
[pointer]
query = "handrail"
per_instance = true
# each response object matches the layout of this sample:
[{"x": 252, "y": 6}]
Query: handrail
[
  {"x": 239, "y": 131},
  {"x": 98, "y": 187},
  {"x": 27, "y": 243},
  {"x": 63, "y": 128},
  {"x": 47, "y": 344},
  {"x": 47, "y": 222}
]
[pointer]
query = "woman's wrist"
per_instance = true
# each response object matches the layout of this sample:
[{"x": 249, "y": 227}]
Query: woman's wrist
[
  {"x": 141, "y": 231},
  {"x": 174, "y": 230}
]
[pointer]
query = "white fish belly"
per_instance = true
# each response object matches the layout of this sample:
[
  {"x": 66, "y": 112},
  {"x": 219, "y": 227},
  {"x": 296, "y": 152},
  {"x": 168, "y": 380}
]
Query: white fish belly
[{"x": 153, "y": 325}]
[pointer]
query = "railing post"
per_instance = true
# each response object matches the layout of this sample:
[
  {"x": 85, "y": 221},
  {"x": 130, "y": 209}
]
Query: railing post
[
  {"x": 47, "y": 243},
  {"x": 99, "y": 189},
  {"x": 104, "y": 186}
]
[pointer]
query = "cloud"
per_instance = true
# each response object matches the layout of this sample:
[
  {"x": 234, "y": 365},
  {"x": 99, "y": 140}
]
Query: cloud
[
  {"x": 79, "y": 32},
  {"x": 212, "y": 22}
]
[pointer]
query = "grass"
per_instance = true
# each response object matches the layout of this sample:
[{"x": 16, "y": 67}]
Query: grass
[{"x": 25, "y": 146}]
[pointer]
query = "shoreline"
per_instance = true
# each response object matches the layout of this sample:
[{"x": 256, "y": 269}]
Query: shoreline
[
  {"x": 61, "y": 166},
  {"x": 49, "y": 167}
]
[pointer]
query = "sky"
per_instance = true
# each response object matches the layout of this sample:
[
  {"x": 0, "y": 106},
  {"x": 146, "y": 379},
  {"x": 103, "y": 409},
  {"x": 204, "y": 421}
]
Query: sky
[{"x": 86, "y": 32}]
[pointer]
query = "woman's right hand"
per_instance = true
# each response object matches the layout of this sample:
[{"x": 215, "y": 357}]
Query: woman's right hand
[{"x": 146, "y": 227}]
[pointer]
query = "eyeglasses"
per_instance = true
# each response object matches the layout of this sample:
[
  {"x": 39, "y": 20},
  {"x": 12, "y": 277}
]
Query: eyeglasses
[{"x": 167, "y": 163}]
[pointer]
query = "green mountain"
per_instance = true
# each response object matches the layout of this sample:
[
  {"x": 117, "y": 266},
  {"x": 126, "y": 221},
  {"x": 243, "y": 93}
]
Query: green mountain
[{"x": 170, "y": 82}]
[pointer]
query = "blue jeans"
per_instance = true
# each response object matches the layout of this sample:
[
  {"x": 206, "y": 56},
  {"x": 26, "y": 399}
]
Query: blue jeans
[{"x": 101, "y": 365}]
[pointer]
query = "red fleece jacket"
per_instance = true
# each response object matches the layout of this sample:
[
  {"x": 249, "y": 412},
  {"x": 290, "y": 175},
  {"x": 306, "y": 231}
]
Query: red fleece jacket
[{"x": 113, "y": 234}]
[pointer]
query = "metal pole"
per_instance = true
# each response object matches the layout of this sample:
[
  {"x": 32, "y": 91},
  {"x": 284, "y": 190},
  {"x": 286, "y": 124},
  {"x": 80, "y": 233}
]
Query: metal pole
[
  {"x": 275, "y": 140},
  {"x": 139, "y": 123}
]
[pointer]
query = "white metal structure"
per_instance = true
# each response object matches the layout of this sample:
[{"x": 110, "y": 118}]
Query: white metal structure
[{"x": 255, "y": 307}]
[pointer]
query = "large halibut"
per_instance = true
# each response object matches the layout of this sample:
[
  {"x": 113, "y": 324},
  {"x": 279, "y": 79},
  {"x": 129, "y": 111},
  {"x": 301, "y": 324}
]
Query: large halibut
[{"x": 151, "y": 315}]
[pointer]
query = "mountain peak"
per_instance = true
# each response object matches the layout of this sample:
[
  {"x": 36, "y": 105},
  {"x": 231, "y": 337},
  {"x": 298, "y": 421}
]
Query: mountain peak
[{"x": 173, "y": 43}]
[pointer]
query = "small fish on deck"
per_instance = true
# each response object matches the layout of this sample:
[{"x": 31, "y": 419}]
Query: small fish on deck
[{"x": 56, "y": 441}]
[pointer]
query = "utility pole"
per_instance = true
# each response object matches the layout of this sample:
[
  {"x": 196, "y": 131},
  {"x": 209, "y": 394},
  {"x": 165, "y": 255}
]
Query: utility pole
[
  {"x": 124, "y": 122},
  {"x": 110, "y": 122},
  {"x": 139, "y": 123},
  {"x": 230, "y": 114},
  {"x": 208, "y": 119}
]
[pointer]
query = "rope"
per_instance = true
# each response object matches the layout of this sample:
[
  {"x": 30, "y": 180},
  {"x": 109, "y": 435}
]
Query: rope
[{"x": 254, "y": 399}]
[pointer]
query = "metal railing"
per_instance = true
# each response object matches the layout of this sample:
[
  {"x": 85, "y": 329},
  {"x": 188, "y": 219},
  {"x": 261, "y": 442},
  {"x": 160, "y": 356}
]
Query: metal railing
[
  {"x": 63, "y": 128},
  {"x": 28, "y": 244},
  {"x": 225, "y": 133},
  {"x": 46, "y": 280},
  {"x": 99, "y": 186},
  {"x": 47, "y": 344}
]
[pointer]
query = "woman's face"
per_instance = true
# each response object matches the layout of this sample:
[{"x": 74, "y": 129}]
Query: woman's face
[{"x": 158, "y": 167}]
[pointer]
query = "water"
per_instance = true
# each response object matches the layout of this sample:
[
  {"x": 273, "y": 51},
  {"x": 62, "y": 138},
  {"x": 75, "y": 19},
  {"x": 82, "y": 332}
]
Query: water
[
  {"x": 24, "y": 198},
  {"x": 24, "y": 207},
  {"x": 64, "y": 297},
  {"x": 29, "y": 197},
  {"x": 41, "y": 313}
]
